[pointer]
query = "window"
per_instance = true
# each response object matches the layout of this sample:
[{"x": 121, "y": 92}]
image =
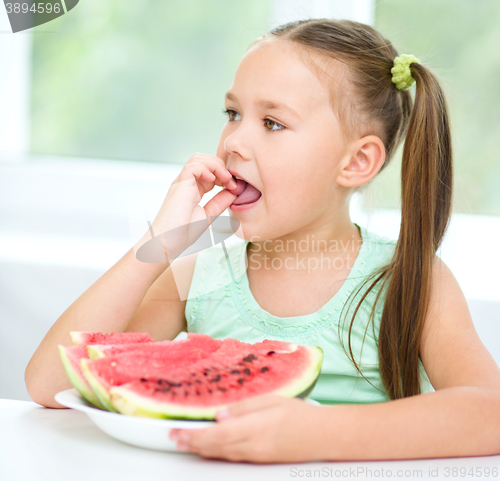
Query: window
[
  {"x": 459, "y": 40},
  {"x": 138, "y": 81}
]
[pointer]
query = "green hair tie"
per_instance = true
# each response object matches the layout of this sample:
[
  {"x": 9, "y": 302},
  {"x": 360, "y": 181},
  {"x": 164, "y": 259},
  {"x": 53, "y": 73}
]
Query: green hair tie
[{"x": 401, "y": 73}]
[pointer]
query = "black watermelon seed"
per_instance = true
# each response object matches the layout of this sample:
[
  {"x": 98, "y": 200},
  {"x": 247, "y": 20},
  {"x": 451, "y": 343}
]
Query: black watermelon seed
[
  {"x": 216, "y": 378},
  {"x": 241, "y": 380},
  {"x": 198, "y": 381},
  {"x": 240, "y": 364},
  {"x": 246, "y": 371},
  {"x": 210, "y": 391},
  {"x": 271, "y": 352},
  {"x": 174, "y": 384},
  {"x": 197, "y": 392},
  {"x": 188, "y": 383},
  {"x": 185, "y": 393},
  {"x": 193, "y": 374},
  {"x": 235, "y": 371},
  {"x": 223, "y": 389},
  {"x": 249, "y": 358},
  {"x": 264, "y": 369},
  {"x": 143, "y": 379}
]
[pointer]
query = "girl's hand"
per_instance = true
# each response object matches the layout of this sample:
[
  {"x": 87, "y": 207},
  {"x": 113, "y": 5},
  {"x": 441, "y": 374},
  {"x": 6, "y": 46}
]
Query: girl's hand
[
  {"x": 261, "y": 429},
  {"x": 181, "y": 220}
]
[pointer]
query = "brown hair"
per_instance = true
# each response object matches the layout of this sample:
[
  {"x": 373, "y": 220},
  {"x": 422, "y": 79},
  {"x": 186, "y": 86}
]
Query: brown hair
[{"x": 426, "y": 178}]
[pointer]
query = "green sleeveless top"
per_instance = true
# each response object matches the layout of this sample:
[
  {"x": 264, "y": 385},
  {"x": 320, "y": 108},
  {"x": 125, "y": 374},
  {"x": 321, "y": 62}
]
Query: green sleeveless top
[{"x": 220, "y": 304}]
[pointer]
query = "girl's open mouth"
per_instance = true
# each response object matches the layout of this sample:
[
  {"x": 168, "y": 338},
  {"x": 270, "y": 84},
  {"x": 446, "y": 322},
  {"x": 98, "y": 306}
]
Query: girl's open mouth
[{"x": 247, "y": 194}]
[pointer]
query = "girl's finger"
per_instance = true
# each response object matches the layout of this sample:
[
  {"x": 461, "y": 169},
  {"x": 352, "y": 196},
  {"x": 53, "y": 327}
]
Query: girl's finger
[
  {"x": 217, "y": 438},
  {"x": 232, "y": 452},
  {"x": 216, "y": 166},
  {"x": 219, "y": 203},
  {"x": 205, "y": 176},
  {"x": 248, "y": 405}
]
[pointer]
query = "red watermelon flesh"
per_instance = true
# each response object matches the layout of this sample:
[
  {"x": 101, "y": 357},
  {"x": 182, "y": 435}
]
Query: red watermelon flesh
[
  {"x": 235, "y": 371},
  {"x": 151, "y": 360},
  {"x": 75, "y": 354},
  {"x": 98, "y": 351},
  {"x": 84, "y": 337},
  {"x": 71, "y": 356},
  {"x": 206, "y": 383}
]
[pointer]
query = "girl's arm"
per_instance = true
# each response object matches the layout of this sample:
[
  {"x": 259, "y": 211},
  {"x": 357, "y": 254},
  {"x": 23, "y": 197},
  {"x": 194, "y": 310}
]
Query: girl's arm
[
  {"x": 106, "y": 306},
  {"x": 113, "y": 302},
  {"x": 462, "y": 418}
]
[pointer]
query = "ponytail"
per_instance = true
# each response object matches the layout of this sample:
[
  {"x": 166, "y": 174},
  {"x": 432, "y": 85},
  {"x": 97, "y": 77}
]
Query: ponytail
[{"x": 426, "y": 191}]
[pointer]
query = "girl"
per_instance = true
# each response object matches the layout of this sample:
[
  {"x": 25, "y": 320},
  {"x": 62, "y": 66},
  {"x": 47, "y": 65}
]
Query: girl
[{"x": 316, "y": 110}]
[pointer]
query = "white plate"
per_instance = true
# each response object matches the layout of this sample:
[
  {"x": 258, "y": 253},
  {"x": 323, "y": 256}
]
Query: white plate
[{"x": 144, "y": 432}]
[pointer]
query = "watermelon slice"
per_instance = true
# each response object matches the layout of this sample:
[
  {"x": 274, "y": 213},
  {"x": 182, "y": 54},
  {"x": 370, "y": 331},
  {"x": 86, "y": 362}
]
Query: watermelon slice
[
  {"x": 229, "y": 375},
  {"x": 97, "y": 351},
  {"x": 193, "y": 378},
  {"x": 82, "y": 337},
  {"x": 72, "y": 355},
  {"x": 133, "y": 362}
]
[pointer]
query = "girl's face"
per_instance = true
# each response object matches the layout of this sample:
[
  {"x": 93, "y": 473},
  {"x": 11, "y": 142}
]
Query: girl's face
[{"x": 283, "y": 138}]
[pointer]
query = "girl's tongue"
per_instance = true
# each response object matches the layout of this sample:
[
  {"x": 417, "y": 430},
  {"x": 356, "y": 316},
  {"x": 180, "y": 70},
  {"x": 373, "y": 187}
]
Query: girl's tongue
[{"x": 246, "y": 193}]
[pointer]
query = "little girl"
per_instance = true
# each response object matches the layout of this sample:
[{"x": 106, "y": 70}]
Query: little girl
[{"x": 316, "y": 110}]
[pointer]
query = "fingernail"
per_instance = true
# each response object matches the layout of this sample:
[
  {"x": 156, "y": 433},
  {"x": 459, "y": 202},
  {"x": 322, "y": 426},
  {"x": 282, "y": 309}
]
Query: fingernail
[
  {"x": 174, "y": 436},
  {"x": 183, "y": 437},
  {"x": 182, "y": 447},
  {"x": 222, "y": 414}
]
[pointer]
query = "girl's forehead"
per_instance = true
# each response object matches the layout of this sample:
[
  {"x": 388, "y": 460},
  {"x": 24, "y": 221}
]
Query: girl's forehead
[{"x": 277, "y": 71}]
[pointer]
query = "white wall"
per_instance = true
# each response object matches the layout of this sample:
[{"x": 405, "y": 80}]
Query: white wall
[{"x": 15, "y": 53}]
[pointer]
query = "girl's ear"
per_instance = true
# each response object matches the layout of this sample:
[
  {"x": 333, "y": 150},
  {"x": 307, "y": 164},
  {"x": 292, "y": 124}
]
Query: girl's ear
[{"x": 365, "y": 159}]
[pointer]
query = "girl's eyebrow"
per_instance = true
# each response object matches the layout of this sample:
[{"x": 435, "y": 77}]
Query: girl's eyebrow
[{"x": 268, "y": 105}]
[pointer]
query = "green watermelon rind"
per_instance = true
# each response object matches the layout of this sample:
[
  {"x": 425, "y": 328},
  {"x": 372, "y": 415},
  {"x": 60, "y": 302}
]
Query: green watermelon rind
[
  {"x": 96, "y": 386},
  {"x": 77, "y": 381},
  {"x": 77, "y": 337},
  {"x": 96, "y": 351},
  {"x": 130, "y": 403}
]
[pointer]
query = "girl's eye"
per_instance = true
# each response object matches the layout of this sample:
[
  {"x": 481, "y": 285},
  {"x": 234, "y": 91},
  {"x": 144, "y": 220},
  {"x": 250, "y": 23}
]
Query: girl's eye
[
  {"x": 269, "y": 121},
  {"x": 266, "y": 121},
  {"x": 229, "y": 112}
]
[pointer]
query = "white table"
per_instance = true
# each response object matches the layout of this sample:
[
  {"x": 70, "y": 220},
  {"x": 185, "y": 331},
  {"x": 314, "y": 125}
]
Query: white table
[{"x": 40, "y": 444}]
